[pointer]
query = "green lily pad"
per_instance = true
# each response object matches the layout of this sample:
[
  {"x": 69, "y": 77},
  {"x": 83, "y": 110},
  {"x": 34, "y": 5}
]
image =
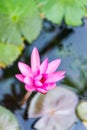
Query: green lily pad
[
  {"x": 82, "y": 110},
  {"x": 19, "y": 18},
  {"x": 7, "y": 120},
  {"x": 85, "y": 123},
  {"x": 72, "y": 11},
  {"x": 9, "y": 53}
]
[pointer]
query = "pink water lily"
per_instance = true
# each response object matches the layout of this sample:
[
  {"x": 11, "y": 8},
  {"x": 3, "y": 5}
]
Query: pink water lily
[{"x": 39, "y": 77}]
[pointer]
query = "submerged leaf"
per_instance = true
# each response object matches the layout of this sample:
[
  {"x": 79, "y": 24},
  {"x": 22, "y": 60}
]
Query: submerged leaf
[
  {"x": 56, "y": 109},
  {"x": 7, "y": 120},
  {"x": 72, "y": 11},
  {"x": 19, "y": 18},
  {"x": 9, "y": 53}
]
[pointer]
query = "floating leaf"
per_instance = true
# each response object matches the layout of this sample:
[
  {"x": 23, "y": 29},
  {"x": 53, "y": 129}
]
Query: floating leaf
[
  {"x": 56, "y": 109},
  {"x": 85, "y": 123},
  {"x": 9, "y": 53},
  {"x": 82, "y": 111},
  {"x": 17, "y": 18},
  {"x": 7, "y": 120},
  {"x": 72, "y": 11}
]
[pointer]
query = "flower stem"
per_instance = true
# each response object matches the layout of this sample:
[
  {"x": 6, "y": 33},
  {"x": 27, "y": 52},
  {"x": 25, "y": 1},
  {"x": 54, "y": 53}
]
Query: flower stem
[{"x": 25, "y": 98}]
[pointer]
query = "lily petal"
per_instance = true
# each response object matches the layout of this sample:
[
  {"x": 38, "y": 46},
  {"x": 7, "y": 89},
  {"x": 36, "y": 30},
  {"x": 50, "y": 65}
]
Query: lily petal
[
  {"x": 55, "y": 77},
  {"x": 25, "y": 69},
  {"x": 51, "y": 86},
  {"x": 35, "y": 58},
  {"x": 52, "y": 66},
  {"x": 20, "y": 77},
  {"x": 41, "y": 90},
  {"x": 28, "y": 81},
  {"x": 43, "y": 66},
  {"x": 38, "y": 83},
  {"x": 36, "y": 71},
  {"x": 29, "y": 88},
  {"x": 38, "y": 77}
]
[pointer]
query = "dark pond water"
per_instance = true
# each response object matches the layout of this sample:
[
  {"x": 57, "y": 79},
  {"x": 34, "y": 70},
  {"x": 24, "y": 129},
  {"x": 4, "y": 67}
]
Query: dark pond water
[{"x": 69, "y": 44}]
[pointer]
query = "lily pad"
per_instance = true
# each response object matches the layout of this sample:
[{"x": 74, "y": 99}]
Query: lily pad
[
  {"x": 9, "y": 53},
  {"x": 72, "y": 11},
  {"x": 85, "y": 123},
  {"x": 56, "y": 109},
  {"x": 82, "y": 111},
  {"x": 19, "y": 18},
  {"x": 7, "y": 120}
]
